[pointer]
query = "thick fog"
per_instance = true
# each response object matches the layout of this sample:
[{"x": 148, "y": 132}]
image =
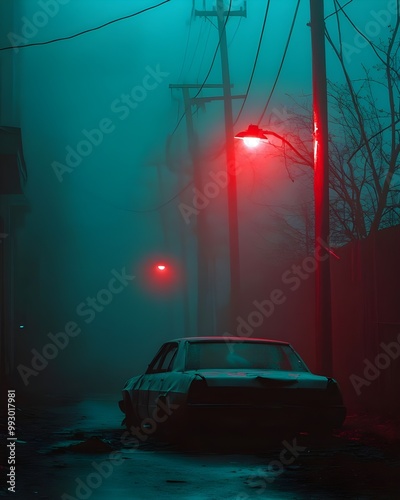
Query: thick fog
[{"x": 107, "y": 176}]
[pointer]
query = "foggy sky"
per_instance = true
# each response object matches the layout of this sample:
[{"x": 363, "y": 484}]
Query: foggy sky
[{"x": 103, "y": 216}]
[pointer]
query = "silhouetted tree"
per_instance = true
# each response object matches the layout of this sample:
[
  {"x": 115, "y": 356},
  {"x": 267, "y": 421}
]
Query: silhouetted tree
[{"x": 364, "y": 141}]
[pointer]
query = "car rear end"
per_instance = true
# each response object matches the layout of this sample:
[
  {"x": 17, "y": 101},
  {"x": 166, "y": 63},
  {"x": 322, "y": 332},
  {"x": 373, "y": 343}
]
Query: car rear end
[{"x": 262, "y": 401}]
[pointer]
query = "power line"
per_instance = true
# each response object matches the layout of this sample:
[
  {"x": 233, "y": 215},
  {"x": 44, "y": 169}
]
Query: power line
[
  {"x": 186, "y": 50},
  {"x": 236, "y": 31},
  {"x": 199, "y": 38},
  {"x": 209, "y": 71},
  {"x": 191, "y": 62},
  {"x": 253, "y": 70},
  {"x": 282, "y": 63},
  {"x": 159, "y": 207},
  {"x": 255, "y": 62},
  {"x": 204, "y": 51},
  {"x": 338, "y": 10},
  {"x": 216, "y": 50},
  {"x": 154, "y": 209},
  {"x": 212, "y": 24},
  {"x": 183, "y": 115},
  {"x": 61, "y": 39},
  {"x": 167, "y": 202},
  {"x": 374, "y": 47}
]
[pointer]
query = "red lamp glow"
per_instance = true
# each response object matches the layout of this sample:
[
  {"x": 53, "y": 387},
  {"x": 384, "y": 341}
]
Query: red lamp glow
[
  {"x": 252, "y": 136},
  {"x": 160, "y": 275},
  {"x": 251, "y": 142}
]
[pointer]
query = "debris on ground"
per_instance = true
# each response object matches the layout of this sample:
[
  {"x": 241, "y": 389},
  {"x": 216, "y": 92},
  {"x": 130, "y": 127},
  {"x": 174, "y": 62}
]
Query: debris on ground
[{"x": 94, "y": 444}]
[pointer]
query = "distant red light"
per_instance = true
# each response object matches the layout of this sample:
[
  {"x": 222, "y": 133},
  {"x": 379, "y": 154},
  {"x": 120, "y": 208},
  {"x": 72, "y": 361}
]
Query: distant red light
[{"x": 160, "y": 275}]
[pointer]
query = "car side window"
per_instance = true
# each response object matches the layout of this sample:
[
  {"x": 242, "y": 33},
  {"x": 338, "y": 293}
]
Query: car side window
[
  {"x": 167, "y": 362},
  {"x": 164, "y": 359},
  {"x": 157, "y": 360}
]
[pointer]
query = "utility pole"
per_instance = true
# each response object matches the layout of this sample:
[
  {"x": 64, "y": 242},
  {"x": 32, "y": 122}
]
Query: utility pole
[
  {"x": 202, "y": 257},
  {"x": 234, "y": 259},
  {"x": 323, "y": 319},
  {"x": 204, "y": 270}
]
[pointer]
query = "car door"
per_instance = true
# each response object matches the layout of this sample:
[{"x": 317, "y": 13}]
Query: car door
[{"x": 159, "y": 376}]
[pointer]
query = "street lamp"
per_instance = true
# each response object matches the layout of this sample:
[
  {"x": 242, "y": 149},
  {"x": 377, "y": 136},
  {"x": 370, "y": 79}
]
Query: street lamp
[{"x": 252, "y": 136}]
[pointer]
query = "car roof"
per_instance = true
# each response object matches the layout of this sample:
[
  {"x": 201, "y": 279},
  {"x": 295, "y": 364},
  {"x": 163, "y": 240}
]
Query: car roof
[{"x": 229, "y": 339}]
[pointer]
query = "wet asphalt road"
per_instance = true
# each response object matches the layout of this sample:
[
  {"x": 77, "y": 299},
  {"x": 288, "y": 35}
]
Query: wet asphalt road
[{"x": 77, "y": 450}]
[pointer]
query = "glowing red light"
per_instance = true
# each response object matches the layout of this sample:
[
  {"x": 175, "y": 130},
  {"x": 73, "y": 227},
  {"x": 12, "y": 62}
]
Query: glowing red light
[
  {"x": 252, "y": 136},
  {"x": 251, "y": 142},
  {"x": 160, "y": 275}
]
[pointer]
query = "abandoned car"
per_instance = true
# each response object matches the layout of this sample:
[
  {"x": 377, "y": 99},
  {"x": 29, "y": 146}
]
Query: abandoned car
[{"x": 230, "y": 382}]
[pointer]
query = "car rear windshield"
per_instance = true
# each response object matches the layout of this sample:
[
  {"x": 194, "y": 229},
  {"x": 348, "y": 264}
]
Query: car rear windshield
[{"x": 242, "y": 355}]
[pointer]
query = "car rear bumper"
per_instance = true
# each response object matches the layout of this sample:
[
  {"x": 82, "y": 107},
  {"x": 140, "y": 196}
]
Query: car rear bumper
[{"x": 265, "y": 417}]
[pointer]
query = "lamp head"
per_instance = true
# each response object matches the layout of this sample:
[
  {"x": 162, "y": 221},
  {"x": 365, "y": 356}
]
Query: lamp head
[{"x": 252, "y": 136}]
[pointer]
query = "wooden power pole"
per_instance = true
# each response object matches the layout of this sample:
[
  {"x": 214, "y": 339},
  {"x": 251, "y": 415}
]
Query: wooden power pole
[
  {"x": 204, "y": 269},
  {"x": 323, "y": 318}
]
